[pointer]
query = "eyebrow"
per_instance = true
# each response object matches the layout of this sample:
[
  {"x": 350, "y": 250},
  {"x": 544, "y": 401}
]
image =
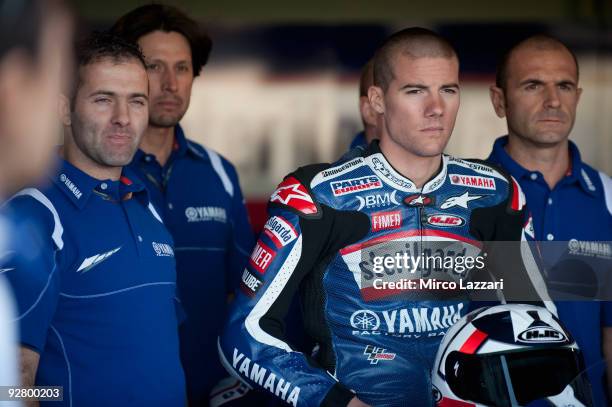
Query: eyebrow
[
  {"x": 138, "y": 95},
  {"x": 110, "y": 93},
  {"x": 413, "y": 85},
  {"x": 567, "y": 82},
  {"x": 420, "y": 86},
  {"x": 541, "y": 82},
  {"x": 531, "y": 80},
  {"x": 159, "y": 60}
]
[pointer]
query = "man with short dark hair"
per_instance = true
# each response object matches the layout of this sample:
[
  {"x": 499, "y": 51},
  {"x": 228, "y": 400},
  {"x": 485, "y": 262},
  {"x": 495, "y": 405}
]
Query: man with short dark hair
[
  {"x": 100, "y": 318},
  {"x": 195, "y": 189},
  {"x": 369, "y": 117},
  {"x": 537, "y": 92},
  {"x": 330, "y": 225}
]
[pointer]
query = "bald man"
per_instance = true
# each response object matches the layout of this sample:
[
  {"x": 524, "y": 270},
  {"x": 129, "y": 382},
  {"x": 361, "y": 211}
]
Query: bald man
[
  {"x": 369, "y": 117},
  {"x": 537, "y": 92},
  {"x": 330, "y": 225}
]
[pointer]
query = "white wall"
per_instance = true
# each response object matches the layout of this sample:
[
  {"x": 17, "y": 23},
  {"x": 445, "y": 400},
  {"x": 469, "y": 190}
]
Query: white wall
[{"x": 267, "y": 127}]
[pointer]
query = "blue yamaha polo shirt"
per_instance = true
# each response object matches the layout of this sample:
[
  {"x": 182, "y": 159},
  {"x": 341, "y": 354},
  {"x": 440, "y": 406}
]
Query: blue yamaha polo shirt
[
  {"x": 359, "y": 140},
  {"x": 198, "y": 195},
  {"x": 578, "y": 209},
  {"x": 101, "y": 311}
]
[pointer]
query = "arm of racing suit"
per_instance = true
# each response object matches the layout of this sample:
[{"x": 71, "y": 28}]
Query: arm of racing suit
[
  {"x": 300, "y": 234},
  {"x": 507, "y": 230}
]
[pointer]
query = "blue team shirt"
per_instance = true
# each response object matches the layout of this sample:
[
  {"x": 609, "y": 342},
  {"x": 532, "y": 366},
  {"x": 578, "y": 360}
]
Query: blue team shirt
[
  {"x": 101, "y": 308},
  {"x": 198, "y": 196},
  {"x": 359, "y": 140},
  {"x": 578, "y": 208}
]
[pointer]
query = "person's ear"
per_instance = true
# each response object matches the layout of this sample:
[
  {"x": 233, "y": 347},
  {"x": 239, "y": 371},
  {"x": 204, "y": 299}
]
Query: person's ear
[
  {"x": 368, "y": 114},
  {"x": 376, "y": 96},
  {"x": 498, "y": 100}
]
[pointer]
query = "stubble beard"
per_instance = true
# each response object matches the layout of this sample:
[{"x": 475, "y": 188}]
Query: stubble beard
[
  {"x": 164, "y": 121},
  {"x": 419, "y": 149}
]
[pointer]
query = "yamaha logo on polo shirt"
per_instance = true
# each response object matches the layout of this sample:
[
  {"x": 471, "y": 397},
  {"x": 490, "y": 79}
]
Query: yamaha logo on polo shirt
[
  {"x": 71, "y": 186},
  {"x": 162, "y": 249},
  {"x": 206, "y": 214}
]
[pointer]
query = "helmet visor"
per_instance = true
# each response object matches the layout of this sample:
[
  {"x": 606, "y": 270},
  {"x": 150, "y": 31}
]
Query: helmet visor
[{"x": 516, "y": 378}]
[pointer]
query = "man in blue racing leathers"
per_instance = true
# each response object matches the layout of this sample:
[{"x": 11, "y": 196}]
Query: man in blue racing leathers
[{"x": 329, "y": 223}]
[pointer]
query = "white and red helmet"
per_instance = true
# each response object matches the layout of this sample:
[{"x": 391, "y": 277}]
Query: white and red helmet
[{"x": 509, "y": 355}]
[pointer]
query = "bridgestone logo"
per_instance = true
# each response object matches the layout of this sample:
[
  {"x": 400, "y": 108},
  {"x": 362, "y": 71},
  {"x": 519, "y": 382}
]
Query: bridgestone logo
[
  {"x": 337, "y": 170},
  {"x": 474, "y": 166},
  {"x": 353, "y": 185}
]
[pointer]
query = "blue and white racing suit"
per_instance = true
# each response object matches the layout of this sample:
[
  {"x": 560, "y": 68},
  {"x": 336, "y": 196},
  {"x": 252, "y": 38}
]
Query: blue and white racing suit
[{"x": 326, "y": 225}]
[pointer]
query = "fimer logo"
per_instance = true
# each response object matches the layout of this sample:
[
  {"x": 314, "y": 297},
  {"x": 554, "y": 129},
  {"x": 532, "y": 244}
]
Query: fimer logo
[
  {"x": 386, "y": 220},
  {"x": 261, "y": 257}
]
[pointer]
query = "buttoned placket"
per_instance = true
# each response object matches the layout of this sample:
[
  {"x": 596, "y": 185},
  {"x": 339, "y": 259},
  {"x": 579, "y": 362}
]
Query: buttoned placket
[
  {"x": 551, "y": 200},
  {"x": 153, "y": 167},
  {"x": 112, "y": 192}
]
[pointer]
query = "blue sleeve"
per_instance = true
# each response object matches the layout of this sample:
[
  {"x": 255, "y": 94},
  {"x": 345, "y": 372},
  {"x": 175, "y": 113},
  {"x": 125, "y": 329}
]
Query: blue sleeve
[
  {"x": 606, "y": 308},
  {"x": 242, "y": 239},
  {"x": 30, "y": 267}
]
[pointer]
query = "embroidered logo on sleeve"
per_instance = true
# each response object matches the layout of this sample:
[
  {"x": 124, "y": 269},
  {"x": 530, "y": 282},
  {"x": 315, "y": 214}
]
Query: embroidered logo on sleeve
[
  {"x": 292, "y": 193},
  {"x": 280, "y": 231}
]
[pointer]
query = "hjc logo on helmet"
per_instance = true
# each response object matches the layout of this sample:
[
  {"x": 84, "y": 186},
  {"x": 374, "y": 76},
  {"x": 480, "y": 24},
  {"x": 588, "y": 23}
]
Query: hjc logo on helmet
[{"x": 541, "y": 334}]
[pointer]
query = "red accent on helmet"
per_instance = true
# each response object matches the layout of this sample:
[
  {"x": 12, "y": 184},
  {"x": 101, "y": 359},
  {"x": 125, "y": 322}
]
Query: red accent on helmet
[
  {"x": 446, "y": 402},
  {"x": 473, "y": 342}
]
